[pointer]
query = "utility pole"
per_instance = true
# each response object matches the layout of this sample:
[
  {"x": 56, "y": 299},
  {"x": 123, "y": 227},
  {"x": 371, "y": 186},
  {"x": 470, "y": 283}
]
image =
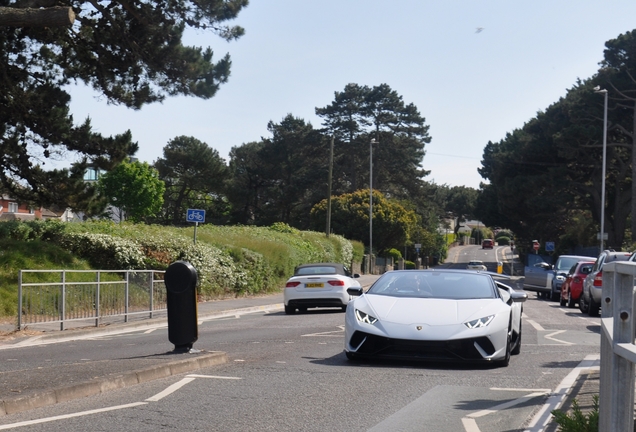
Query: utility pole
[{"x": 329, "y": 187}]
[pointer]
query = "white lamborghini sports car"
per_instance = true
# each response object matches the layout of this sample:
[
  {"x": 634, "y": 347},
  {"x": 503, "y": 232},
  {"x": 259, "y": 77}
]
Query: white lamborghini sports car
[{"x": 435, "y": 315}]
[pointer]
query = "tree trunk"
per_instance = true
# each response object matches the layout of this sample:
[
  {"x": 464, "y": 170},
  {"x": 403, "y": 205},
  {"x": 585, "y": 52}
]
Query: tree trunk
[{"x": 58, "y": 16}]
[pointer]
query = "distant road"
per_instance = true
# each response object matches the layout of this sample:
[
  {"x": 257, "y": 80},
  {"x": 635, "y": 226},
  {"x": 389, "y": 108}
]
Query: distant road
[{"x": 459, "y": 256}]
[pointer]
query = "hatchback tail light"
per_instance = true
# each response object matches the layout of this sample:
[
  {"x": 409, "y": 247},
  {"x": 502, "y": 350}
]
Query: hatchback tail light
[
  {"x": 292, "y": 284},
  {"x": 336, "y": 283},
  {"x": 598, "y": 279}
]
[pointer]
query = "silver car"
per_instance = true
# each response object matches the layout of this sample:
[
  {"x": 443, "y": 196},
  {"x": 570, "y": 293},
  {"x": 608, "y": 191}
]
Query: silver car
[{"x": 590, "y": 300}]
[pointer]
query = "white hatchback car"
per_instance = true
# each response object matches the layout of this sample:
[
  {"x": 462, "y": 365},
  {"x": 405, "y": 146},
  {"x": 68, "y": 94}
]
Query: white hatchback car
[
  {"x": 319, "y": 285},
  {"x": 476, "y": 265}
]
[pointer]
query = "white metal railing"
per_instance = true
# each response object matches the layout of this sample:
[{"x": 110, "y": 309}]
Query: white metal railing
[
  {"x": 618, "y": 352},
  {"x": 61, "y": 296}
]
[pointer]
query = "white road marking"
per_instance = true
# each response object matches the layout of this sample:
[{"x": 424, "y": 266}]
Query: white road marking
[
  {"x": 536, "y": 325},
  {"x": 333, "y": 333},
  {"x": 470, "y": 425},
  {"x": 237, "y": 314},
  {"x": 507, "y": 405},
  {"x": 213, "y": 377},
  {"x": 149, "y": 331},
  {"x": 171, "y": 389},
  {"x": 558, "y": 340},
  {"x": 521, "y": 389},
  {"x": 541, "y": 419},
  {"x": 68, "y": 416}
]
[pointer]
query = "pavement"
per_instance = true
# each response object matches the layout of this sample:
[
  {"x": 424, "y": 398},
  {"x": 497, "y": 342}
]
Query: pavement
[{"x": 25, "y": 387}]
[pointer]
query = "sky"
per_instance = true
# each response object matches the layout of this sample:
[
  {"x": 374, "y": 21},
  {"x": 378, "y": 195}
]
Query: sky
[{"x": 475, "y": 69}]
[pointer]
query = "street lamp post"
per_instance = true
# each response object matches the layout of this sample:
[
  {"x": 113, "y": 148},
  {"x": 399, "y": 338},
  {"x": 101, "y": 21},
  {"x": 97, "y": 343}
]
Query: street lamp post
[
  {"x": 371, "y": 205},
  {"x": 597, "y": 89}
]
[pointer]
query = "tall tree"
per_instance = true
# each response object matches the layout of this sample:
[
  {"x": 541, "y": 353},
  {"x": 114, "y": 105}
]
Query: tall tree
[
  {"x": 194, "y": 175},
  {"x": 129, "y": 51},
  {"x": 460, "y": 204},
  {"x": 541, "y": 174},
  {"x": 360, "y": 114},
  {"x": 134, "y": 190},
  {"x": 618, "y": 69},
  {"x": 282, "y": 177},
  {"x": 247, "y": 183},
  {"x": 346, "y": 122},
  {"x": 296, "y": 157}
]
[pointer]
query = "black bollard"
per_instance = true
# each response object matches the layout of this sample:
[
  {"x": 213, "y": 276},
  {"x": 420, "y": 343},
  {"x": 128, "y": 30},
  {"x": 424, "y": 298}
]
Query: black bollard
[{"x": 181, "y": 282}]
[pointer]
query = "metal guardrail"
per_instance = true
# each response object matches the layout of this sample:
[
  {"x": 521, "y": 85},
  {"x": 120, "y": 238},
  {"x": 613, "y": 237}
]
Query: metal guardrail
[
  {"x": 62, "y": 296},
  {"x": 618, "y": 352}
]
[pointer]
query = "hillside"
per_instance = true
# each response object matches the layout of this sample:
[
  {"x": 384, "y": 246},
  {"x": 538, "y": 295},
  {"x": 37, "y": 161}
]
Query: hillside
[{"x": 230, "y": 260}]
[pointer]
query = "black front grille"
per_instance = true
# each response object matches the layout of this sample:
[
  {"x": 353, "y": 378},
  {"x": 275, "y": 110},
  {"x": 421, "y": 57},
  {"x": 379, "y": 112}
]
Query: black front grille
[{"x": 461, "y": 349}]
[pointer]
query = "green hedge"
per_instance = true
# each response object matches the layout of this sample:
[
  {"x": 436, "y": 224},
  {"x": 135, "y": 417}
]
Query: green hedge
[{"x": 230, "y": 260}]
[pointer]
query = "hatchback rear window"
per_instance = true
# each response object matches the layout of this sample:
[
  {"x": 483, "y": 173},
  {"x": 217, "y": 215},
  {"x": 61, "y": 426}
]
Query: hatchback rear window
[{"x": 586, "y": 269}]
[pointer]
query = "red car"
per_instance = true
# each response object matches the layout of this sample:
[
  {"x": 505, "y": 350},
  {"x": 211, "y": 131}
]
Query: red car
[
  {"x": 487, "y": 244},
  {"x": 572, "y": 288}
]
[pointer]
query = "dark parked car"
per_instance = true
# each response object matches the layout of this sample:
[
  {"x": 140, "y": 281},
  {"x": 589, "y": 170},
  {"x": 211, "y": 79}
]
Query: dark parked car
[
  {"x": 573, "y": 286},
  {"x": 590, "y": 300}
]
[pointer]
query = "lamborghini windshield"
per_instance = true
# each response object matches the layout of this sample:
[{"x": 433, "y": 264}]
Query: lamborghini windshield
[{"x": 435, "y": 284}]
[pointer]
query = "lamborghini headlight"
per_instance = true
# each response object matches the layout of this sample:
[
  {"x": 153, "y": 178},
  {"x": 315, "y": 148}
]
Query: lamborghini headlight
[
  {"x": 365, "y": 317},
  {"x": 479, "y": 323}
]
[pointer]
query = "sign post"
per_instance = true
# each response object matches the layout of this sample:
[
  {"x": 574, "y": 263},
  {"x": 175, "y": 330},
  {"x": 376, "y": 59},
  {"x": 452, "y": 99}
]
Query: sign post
[
  {"x": 196, "y": 216},
  {"x": 535, "y": 246}
]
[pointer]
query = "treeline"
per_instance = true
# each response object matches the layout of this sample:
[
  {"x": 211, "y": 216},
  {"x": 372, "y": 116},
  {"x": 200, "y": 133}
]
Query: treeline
[
  {"x": 284, "y": 177},
  {"x": 546, "y": 177}
]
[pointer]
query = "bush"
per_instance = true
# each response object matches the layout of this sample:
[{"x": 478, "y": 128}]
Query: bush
[
  {"x": 395, "y": 254},
  {"x": 30, "y": 230},
  {"x": 104, "y": 251},
  {"x": 409, "y": 265},
  {"x": 503, "y": 233},
  {"x": 358, "y": 251},
  {"x": 503, "y": 240},
  {"x": 578, "y": 421}
]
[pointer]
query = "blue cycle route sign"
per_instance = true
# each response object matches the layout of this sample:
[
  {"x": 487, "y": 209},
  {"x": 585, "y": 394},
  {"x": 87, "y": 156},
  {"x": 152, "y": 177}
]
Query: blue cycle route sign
[
  {"x": 194, "y": 215},
  {"x": 549, "y": 246}
]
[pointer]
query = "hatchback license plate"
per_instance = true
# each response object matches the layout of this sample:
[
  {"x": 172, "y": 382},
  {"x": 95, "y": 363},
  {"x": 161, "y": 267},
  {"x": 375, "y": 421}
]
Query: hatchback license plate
[{"x": 314, "y": 285}]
